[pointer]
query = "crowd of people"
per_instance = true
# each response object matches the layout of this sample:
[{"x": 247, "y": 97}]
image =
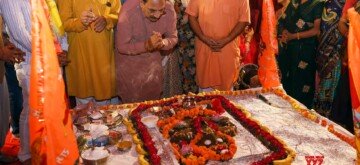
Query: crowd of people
[
  {"x": 312, "y": 37},
  {"x": 129, "y": 51}
]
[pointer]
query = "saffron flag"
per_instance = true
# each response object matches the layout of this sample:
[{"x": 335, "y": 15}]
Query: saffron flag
[
  {"x": 354, "y": 57},
  {"x": 354, "y": 72},
  {"x": 268, "y": 70},
  {"x": 52, "y": 139}
]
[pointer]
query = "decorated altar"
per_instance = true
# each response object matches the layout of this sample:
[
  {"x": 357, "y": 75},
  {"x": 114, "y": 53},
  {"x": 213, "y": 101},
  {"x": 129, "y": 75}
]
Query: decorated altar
[{"x": 235, "y": 127}]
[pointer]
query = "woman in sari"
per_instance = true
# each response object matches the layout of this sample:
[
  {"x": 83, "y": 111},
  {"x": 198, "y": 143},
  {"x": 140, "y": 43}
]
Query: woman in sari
[
  {"x": 249, "y": 47},
  {"x": 328, "y": 56},
  {"x": 185, "y": 49},
  {"x": 341, "y": 111},
  {"x": 298, "y": 29}
]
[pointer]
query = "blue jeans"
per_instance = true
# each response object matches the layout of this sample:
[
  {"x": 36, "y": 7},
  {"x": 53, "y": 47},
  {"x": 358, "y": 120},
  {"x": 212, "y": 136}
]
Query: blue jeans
[{"x": 15, "y": 94}]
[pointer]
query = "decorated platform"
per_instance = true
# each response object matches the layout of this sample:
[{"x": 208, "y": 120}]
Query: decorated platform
[{"x": 234, "y": 127}]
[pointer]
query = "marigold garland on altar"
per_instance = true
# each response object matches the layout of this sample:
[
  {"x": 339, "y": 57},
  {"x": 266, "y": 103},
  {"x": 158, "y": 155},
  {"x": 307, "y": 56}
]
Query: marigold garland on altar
[
  {"x": 204, "y": 152},
  {"x": 295, "y": 105},
  {"x": 201, "y": 120}
]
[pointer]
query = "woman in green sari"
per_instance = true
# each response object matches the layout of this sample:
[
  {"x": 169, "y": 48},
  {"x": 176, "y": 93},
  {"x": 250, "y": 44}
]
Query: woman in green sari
[{"x": 298, "y": 28}]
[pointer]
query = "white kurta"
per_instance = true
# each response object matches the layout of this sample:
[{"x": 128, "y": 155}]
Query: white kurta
[{"x": 17, "y": 19}]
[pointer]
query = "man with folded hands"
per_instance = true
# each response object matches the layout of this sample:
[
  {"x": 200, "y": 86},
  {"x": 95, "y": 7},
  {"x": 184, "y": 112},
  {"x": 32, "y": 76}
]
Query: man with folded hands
[{"x": 145, "y": 29}]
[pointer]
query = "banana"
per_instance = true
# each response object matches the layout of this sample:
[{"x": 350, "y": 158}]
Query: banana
[
  {"x": 142, "y": 160},
  {"x": 140, "y": 150},
  {"x": 136, "y": 139},
  {"x": 127, "y": 122},
  {"x": 131, "y": 130}
]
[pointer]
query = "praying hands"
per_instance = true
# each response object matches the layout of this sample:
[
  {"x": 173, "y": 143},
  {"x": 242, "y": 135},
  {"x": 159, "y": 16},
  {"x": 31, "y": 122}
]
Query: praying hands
[
  {"x": 97, "y": 23},
  {"x": 155, "y": 42},
  {"x": 87, "y": 17}
]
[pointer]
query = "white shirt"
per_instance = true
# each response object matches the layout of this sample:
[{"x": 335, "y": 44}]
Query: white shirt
[{"x": 17, "y": 19}]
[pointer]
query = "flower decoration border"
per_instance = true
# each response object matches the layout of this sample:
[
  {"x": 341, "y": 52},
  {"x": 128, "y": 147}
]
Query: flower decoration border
[{"x": 281, "y": 154}]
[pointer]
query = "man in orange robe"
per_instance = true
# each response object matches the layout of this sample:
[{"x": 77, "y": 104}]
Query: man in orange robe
[{"x": 217, "y": 25}]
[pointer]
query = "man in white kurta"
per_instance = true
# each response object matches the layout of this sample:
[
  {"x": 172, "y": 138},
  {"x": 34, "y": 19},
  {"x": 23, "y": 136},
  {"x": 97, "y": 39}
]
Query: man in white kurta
[{"x": 17, "y": 19}]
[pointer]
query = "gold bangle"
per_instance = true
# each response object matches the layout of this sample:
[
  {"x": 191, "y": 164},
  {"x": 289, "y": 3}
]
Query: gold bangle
[{"x": 298, "y": 35}]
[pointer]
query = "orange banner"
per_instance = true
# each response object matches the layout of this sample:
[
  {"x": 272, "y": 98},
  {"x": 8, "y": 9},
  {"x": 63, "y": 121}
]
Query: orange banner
[
  {"x": 354, "y": 72},
  {"x": 268, "y": 70},
  {"x": 52, "y": 139},
  {"x": 354, "y": 57}
]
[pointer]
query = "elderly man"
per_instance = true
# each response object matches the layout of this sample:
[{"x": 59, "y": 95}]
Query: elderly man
[
  {"x": 217, "y": 25},
  {"x": 145, "y": 28}
]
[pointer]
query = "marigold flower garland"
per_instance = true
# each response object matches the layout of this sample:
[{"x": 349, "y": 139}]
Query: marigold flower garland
[
  {"x": 144, "y": 133},
  {"x": 203, "y": 152},
  {"x": 219, "y": 105}
]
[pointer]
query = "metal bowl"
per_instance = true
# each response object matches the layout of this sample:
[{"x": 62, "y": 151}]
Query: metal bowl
[
  {"x": 114, "y": 136},
  {"x": 101, "y": 161},
  {"x": 189, "y": 102},
  {"x": 246, "y": 73},
  {"x": 113, "y": 122},
  {"x": 95, "y": 162},
  {"x": 124, "y": 145}
]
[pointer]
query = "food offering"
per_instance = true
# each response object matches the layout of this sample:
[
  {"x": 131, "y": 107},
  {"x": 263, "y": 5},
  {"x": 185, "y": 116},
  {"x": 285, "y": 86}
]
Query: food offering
[{"x": 100, "y": 131}]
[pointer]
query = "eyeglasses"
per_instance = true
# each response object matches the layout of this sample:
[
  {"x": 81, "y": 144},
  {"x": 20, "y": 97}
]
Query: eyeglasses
[{"x": 153, "y": 11}]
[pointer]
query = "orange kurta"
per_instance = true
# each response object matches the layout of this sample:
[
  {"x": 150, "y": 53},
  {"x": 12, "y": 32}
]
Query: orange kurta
[{"x": 217, "y": 18}]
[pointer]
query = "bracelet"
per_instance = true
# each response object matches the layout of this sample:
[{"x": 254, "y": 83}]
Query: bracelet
[{"x": 298, "y": 35}]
